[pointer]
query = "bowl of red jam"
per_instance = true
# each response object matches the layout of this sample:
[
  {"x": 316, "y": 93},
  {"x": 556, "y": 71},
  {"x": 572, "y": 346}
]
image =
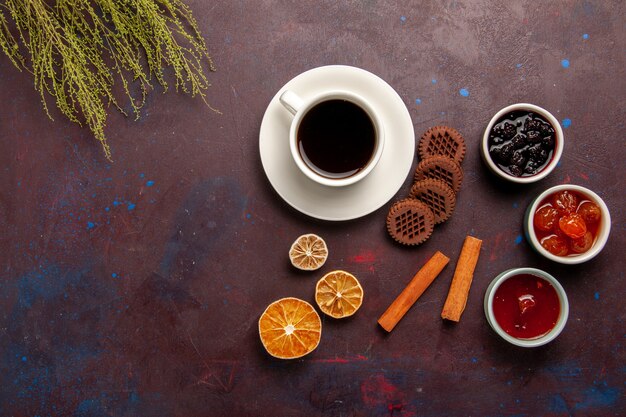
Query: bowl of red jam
[
  {"x": 568, "y": 224},
  {"x": 526, "y": 307},
  {"x": 522, "y": 143}
]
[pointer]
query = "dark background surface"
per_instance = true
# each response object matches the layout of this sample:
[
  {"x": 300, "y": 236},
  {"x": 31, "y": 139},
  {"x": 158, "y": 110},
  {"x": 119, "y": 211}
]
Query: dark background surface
[{"x": 134, "y": 288}]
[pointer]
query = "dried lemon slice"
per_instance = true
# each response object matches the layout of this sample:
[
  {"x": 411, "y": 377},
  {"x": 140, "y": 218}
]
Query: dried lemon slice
[
  {"x": 308, "y": 252},
  {"x": 339, "y": 294},
  {"x": 290, "y": 328}
]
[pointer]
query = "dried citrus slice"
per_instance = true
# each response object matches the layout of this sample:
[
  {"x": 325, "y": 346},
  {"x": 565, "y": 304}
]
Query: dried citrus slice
[
  {"x": 339, "y": 294},
  {"x": 308, "y": 252},
  {"x": 290, "y": 328}
]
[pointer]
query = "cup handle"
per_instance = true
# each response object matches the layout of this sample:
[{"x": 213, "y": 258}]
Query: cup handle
[{"x": 291, "y": 101}]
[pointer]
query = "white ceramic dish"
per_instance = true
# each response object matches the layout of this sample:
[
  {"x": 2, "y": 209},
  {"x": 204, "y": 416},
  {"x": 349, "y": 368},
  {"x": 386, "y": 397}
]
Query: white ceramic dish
[
  {"x": 539, "y": 341},
  {"x": 352, "y": 201},
  {"x": 558, "y": 148},
  {"x": 601, "y": 238}
]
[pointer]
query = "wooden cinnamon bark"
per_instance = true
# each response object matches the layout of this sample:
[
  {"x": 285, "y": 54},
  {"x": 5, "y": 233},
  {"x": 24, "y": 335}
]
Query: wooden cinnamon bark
[
  {"x": 422, "y": 279},
  {"x": 462, "y": 280}
]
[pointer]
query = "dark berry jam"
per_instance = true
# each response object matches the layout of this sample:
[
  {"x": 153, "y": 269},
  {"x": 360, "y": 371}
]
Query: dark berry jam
[
  {"x": 522, "y": 143},
  {"x": 566, "y": 223},
  {"x": 526, "y": 306}
]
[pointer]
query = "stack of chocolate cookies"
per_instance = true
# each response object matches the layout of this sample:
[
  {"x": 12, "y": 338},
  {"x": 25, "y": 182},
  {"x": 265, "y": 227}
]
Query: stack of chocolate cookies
[{"x": 437, "y": 179}]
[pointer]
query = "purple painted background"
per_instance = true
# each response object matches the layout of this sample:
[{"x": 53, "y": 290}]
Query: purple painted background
[{"x": 134, "y": 288}]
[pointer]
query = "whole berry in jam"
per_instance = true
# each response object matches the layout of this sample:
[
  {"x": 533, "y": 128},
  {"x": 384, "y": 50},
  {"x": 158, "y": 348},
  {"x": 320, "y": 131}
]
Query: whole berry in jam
[
  {"x": 537, "y": 153},
  {"x": 497, "y": 131},
  {"x": 532, "y": 124},
  {"x": 515, "y": 170},
  {"x": 531, "y": 167},
  {"x": 573, "y": 225},
  {"x": 502, "y": 153},
  {"x": 546, "y": 129},
  {"x": 556, "y": 245},
  {"x": 547, "y": 141},
  {"x": 542, "y": 157},
  {"x": 506, "y": 151},
  {"x": 508, "y": 130},
  {"x": 565, "y": 202},
  {"x": 518, "y": 141},
  {"x": 582, "y": 244},
  {"x": 533, "y": 136},
  {"x": 518, "y": 158},
  {"x": 545, "y": 218},
  {"x": 590, "y": 212}
]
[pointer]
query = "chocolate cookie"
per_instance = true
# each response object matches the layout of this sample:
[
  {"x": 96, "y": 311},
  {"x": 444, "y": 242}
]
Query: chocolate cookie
[
  {"x": 440, "y": 168},
  {"x": 410, "y": 222},
  {"x": 437, "y": 195},
  {"x": 442, "y": 140}
]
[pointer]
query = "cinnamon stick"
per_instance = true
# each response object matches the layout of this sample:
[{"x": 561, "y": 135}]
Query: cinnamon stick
[
  {"x": 422, "y": 279},
  {"x": 462, "y": 280}
]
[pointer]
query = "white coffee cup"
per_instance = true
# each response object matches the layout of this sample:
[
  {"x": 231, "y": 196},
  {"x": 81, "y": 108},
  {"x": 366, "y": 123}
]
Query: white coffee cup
[{"x": 301, "y": 107}]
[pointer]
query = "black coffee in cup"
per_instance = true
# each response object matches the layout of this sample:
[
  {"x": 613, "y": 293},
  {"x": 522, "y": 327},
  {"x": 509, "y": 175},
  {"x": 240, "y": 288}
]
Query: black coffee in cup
[{"x": 336, "y": 138}]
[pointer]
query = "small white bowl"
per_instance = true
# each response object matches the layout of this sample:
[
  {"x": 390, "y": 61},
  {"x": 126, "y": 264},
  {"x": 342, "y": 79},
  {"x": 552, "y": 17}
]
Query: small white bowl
[
  {"x": 538, "y": 341},
  {"x": 598, "y": 244},
  {"x": 556, "y": 155}
]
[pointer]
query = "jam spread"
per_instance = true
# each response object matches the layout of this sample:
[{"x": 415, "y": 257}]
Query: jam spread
[
  {"x": 526, "y": 306},
  {"x": 567, "y": 223},
  {"x": 522, "y": 143}
]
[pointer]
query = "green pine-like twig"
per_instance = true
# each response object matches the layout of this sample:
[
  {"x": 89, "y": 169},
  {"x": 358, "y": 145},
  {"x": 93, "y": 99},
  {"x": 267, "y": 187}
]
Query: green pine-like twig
[{"x": 78, "y": 50}]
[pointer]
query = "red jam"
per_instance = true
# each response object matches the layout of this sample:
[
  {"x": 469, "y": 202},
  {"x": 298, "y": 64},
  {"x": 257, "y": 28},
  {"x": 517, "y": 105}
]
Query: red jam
[
  {"x": 567, "y": 223},
  {"x": 526, "y": 306}
]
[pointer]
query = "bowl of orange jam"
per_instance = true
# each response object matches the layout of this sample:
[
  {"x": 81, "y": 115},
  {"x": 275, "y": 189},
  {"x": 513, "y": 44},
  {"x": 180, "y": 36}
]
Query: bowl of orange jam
[{"x": 568, "y": 224}]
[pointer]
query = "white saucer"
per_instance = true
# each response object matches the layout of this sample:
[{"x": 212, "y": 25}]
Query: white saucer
[{"x": 367, "y": 195}]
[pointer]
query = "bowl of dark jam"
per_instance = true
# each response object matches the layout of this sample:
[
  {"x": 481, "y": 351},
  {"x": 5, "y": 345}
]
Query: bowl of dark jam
[
  {"x": 568, "y": 224},
  {"x": 527, "y": 307},
  {"x": 522, "y": 143}
]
